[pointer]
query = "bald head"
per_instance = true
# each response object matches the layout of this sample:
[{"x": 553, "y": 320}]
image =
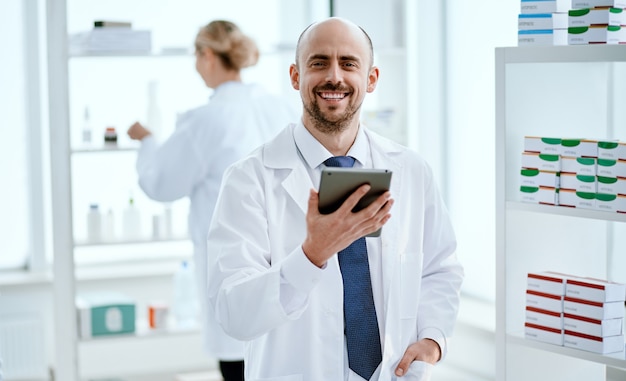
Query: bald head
[{"x": 334, "y": 26}]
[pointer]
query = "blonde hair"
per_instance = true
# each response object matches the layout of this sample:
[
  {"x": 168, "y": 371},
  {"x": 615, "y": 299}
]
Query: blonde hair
[{"x": 235, "y": 50}]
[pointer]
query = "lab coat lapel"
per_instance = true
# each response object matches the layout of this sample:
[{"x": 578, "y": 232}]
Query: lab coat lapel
[{"x": 281, "y": 153}]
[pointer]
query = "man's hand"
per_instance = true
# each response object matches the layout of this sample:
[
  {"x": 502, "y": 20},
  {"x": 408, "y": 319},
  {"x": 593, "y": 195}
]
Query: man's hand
[
  {"x": 426, "y": 350},
  {"x": 137, "y": 131},
  {"x": 328, "y": 234}
]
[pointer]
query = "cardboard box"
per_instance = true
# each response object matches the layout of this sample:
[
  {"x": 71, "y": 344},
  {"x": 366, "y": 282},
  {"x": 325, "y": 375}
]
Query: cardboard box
[
  {"x": 579, "y": 165},
  {"x": 573, "y": 199},
  {"x": 595, "y": 290},
  {"x": 542, "y": 21},
  {"x": 539, "y": 195},
  {"x": 579, "y": 147},
  {"x": 593, "y": 327},
  {"x": 544, "y": 318},
  {"x": 602, "y": 345},
  {"x": 540, "y": 161},
  {"x": 542, "y": 37},
  {"x": 536, "y": 178},
  {"x": 579, "y": 183},
  {"x": 538, "y": 144},
  {"x": 611, "y": 168},
  {"x": 596, "y": 16},
  {"x": 545, "y": 6},
  {"x": 544, "y": 301},
  {"x": 596, "y": 34},
  {"x": 611, "y": 149},
  {"x": 546, "y": 282},
  {"x": 593, "y": 310},
  {"x": 580, "y": 4},
  {"x": 543, "y": 334},
  {"x": 104, "y": 314}
]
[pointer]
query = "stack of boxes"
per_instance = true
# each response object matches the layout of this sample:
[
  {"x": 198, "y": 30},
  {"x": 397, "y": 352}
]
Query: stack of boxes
[
  {"x": 578, "y": 173},
  {"x": 582, "y": 313},
  {"x": 572, "y": 22}
]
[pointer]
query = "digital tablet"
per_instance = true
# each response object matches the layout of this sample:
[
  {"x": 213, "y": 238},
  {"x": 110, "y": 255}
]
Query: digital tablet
[{"x": 337, "y": 183}]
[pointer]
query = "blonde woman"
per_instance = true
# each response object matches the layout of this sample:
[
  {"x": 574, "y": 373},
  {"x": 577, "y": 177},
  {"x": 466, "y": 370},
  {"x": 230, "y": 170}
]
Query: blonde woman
[{"x": 238, "y": 118}]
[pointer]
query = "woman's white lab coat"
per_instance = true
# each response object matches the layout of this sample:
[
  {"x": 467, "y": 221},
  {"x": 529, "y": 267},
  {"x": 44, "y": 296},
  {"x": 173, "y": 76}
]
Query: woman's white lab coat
[
  {"x": 255, "y": 245},
  {"x": 190, "y": 163}
]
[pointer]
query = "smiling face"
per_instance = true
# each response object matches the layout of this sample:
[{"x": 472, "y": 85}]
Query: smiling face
[{"x": 333, "y": 72}]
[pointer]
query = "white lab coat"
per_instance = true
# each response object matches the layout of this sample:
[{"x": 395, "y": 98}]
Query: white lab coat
[
  {"x": 238, "y": 118},
  {"x": 255, "y": 243}
]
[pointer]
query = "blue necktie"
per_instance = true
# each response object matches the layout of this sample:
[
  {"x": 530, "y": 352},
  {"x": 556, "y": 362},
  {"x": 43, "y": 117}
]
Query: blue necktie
[{"x": 360, "y": 323}]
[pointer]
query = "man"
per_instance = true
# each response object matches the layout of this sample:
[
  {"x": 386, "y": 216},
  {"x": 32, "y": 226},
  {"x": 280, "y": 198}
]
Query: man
[{"x": 279, "y": 277}]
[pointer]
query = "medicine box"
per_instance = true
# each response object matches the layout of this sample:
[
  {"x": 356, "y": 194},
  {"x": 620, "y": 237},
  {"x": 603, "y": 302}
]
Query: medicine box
[
  {"x": 611, "y": 185},
  {"x": 546, "y": 282},
  {"x": 579, "y": 165},
  {"x": 539, "y": 195},
  {"x": 544, "y": 301},
  {"x": 579, "y": 183},
  {"x": 611, "y": 168},
  {"x": 540, "y": 161},
  {"x": 602, "y": 345},
  {"x": 593, "y": 327},
  {"x": 596, "y": 16},
  {"x": 580, "y": 4},
  {"x": 595, "y": 290},
  {"x": 593, "y": 310},
  {"x": 542, "y": 21},
  {"x": 105, "y": 313},
  {"x": 539, "y": 144},
  {"x": 544, "y": 318},
  {"x": 612, "y": 150},
  {"x": 537, "y": 178},
  {"x": 596, "y": 34},
  {"x": 545, "y": 6},
  {"x": 609, "y": 202},
  {"x": 573, "y": 199},
  {"x": 579, "y": 147},
  {"x": 542, "y": 37},
  {"x": 544, "y": 334}
]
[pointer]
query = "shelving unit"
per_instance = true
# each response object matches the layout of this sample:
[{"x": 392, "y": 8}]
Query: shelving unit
[{"x": 553, "y": 91}]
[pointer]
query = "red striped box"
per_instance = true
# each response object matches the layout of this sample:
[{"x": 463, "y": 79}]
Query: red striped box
[
  {"x": 544, "y": 301},
  {"x": 602, "y": 345},
  {"x": 544, "y": 318},
  {"x": 596, "y": 290},
  {"x": 546, "y": 282},
  {"x": 543, "y": 334},
  {"x": 593, "y": 327},
  {"x": 593, "y": 310}
]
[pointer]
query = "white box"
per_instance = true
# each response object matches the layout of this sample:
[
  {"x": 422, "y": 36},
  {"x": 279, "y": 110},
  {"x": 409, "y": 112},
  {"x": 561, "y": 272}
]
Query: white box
[
  {"x": 621, "y": 203},
  {"x": 611, "y": 168},
  {"x": 579, "y": 183},
  {"x": 611, "y": 185},
  {"x": 579, "y": 165},
  {"x": 579, "y": 4},
  {"x": 542, "y": 162},
  {"x": 593, "y": 310},
  {"x": 542, "y": 144},
  {"x": 579, "y": 147},
  {"x": 546, "y": 282},
  {"x": 544, "y": 301},
  {"x": 596, "y": 16},
  {"x": 596, "y": 34},
  {"x": 543, "y": 37},
  {"x": 543, "y": 334},
  {"x": 573, "y": 199},
  {"x": 602, "y": 345},
  {"x": 608, "y": 202},
  {"x": 612, "y": 150},
  {"x": 537, "y": 178},
  {"x": 539, "y": 195},
  {"x": 544, "y": 318},
  {"x": 542, "y": 21},
  {"x": 593, "y": 327},
  {"x": 595, "y": 290},
  {"x": 545, "y": 6}
]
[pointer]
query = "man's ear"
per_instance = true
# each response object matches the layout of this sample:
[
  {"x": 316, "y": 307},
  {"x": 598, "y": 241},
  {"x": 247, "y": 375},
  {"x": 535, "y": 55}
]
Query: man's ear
[
  {"x": 294, "y": 75},
  {"x": 372, "y": 79}
]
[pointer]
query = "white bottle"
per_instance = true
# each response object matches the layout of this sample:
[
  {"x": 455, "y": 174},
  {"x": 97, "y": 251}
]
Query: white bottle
[
  {"x": 87, "y": 128},
  {"x": 185, "y": 303},
  {"x": 167, "y": 221},
  {"x": 94, "y": 224},
  {"x": 153, "y": 113},
  {"x": 132, "y": 221},
  {"x": 108, "y": 231}
]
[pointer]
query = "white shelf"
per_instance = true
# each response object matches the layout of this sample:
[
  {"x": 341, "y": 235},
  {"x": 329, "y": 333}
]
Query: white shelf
[
  {"x": 617, "y": 360},
  {"x": 129, "y": 241},
  {"x": 105, "y": 148},
  {"x": 565, "y": 211}
]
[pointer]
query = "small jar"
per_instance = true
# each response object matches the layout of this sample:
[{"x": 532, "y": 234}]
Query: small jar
[{"x": 110, "y": 135}]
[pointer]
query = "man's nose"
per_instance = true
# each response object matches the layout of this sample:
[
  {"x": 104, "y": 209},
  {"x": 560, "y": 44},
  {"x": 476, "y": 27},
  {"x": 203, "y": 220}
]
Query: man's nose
[{"x": 334, "y": 73}]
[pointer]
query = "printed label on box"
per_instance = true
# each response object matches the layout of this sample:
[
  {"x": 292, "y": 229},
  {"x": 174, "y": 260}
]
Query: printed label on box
[
  {"x": 593, "y": 310},
  {"x": 544, "y": 318},
  {"x": 539, "y": 195},
  {"x": 546, "y": 282},
  {"x": 544, "y": 334},
  {"x": 579, "y": 165},
  {"x": 593, "y": 327},
  {"x": 602, "y": 345},
  {"x": 595, "y": 290},
  {"x": 544, "y": 301}
]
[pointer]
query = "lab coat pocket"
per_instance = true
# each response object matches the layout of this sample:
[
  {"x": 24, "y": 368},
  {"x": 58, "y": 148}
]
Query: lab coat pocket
[
  {"x": 418, "y": 371},
  {"x": 410, "y": 276}
]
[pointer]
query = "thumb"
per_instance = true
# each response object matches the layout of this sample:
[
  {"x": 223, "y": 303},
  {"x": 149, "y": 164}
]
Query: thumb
[{"x": 313, "y": 201}]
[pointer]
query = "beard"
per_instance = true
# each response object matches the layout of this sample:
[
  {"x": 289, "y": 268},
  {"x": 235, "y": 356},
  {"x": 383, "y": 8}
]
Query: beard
[{"x": 324, "y": 123}]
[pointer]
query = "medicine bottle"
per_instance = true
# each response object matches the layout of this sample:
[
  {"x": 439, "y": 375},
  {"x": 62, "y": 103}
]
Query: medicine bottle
[
  {"x": 94, "y": 224},
  {"x": 132, "y": 221},
  {"x": 110, "y": 135},
  {"x": 86, "y": 127},
  {"x": 185, "y": 303}
]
